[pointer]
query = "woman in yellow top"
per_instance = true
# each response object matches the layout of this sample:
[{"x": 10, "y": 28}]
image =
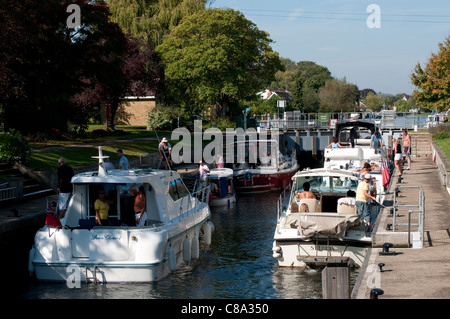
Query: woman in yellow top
[{"x": 101, "y": 209}]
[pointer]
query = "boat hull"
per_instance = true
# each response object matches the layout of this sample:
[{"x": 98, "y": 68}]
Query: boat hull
[
  {"x": 148, "y": 257},
  {"x": 254, "y": 182},
  {"x": 314, "y": 254},
  {"x": 225, "y": 201}
]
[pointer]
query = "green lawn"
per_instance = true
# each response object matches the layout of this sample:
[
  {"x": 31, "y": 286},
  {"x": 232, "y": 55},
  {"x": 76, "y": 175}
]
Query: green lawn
[
  {"x": 82, "y": 155},
  {"x": 444, "y": 144}
]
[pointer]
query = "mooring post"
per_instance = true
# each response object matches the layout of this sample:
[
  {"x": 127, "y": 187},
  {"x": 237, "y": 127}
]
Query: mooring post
[{"x": 336, "y": 279}]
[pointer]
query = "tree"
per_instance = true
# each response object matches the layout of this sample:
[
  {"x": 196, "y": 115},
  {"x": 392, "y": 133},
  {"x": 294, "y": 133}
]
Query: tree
[
  {"x": 46, "y": 63},
  {"x": 151, "y": 20},
  {"x": 133, "y": 72},
  {"x": 309, "y": 78},
  {"x": 433, "y": 82},
  {"x": 338, "y": 96},
  {"x": 216, "y": 57},
  {"x": 285, "y": 79},
  {"x": 374, "y": 102}
]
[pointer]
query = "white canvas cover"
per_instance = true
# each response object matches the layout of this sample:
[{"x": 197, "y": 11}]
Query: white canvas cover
[{"x": 322, "y": 224}]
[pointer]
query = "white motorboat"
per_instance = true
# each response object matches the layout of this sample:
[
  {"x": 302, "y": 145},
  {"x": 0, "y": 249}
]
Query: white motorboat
[
  {"x": 354, "y": 158},
  {"x": 312, "y": 232},
  {"x": 221, "y": 187},
  {"x": 121, "y": 252}
]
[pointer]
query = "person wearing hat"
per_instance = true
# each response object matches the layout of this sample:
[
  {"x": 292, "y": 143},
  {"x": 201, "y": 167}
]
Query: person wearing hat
[
  {"x": 362, "y": 195},
  {"x": 165, "y": 152}
]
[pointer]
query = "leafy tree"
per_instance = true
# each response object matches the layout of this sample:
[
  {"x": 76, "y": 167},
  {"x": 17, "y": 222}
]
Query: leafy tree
[
  {"x": 374, "y": 102},
  {"x": 309, "y": 78},
  {"x": 285, "y": 79},
  {"x": 151, "y": 20},
  {"x": 132, "y": 71},
  {"x": 216, "y": 57},
  {"x": 45, "y": 62},
  {"x": 433, "y": 82},
  {"x": 338, "y": 96}
]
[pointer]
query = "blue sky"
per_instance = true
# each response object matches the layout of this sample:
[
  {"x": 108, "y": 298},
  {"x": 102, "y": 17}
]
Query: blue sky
[{"x": 335, "y": 34}]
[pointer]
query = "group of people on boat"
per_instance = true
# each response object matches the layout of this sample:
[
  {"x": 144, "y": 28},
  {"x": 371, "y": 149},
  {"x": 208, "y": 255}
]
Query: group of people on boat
[
  {"x": 376, "y": 140},
  {"x": 102, "y": 207}
]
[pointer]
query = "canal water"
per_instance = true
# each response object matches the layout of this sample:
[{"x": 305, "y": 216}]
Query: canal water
[{"x": 237, "y": 265}]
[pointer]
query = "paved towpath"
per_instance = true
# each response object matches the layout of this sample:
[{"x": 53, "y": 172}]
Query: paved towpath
[{"x": 414, "y": 273}]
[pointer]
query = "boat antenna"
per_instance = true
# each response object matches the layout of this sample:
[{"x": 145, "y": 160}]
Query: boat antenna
[{"x": 101, "y": 164}]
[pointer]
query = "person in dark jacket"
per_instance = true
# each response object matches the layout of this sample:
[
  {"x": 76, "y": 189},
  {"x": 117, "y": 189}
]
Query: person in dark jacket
[{"x": 65, "y": 174}]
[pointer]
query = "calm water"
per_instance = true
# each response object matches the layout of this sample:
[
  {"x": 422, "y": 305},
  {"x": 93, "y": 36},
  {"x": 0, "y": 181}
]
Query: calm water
[{"x": 237, "y": 265}]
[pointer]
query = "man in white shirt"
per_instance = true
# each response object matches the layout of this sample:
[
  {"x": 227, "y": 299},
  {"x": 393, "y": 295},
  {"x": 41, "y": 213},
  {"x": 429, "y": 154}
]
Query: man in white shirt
[{"x": 203, "y": 170}]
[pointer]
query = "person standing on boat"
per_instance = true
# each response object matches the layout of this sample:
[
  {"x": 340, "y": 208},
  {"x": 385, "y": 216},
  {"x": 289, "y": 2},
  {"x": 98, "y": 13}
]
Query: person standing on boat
[
  {"x": 203, "y": 170},
  {"x": 220, "y": 162},
  {"x": 362, "y": 203},
  {"x": 165, "y": 152},
  {"x": 139, "y": 206},
  {"x": 65, "y": 174},
  {"x": 123, "y": 161},
  {"x": 376, "y": 140},
  {"x": 407, "y": 147},
  {"x": 353, "y": 136},
  {"x": 101, "y": 209}
]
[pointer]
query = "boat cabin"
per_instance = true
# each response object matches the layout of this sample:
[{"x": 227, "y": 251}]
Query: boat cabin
[
  {"x": 329, "y": 190},
  {"x": 163, "y": 191}
]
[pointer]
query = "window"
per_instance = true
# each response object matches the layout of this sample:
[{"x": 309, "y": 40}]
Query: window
[{"x": 177, "y": 189}]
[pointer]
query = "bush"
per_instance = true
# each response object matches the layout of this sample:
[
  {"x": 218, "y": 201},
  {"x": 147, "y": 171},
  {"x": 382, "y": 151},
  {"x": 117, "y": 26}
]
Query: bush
[
  {"x": 13, "y": 148},
  {"x": 222, "y": 123},
  {"x": 159, "y": 118},
  {"x": 441, "y": 131}
]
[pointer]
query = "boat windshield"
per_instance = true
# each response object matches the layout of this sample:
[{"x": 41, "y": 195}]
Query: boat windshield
[{"x": 327, "y": 184}]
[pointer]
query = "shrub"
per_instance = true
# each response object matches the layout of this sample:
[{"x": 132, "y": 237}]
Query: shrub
[
  {"x": 13, "y": 148},
  {"x": 441, "y": 131}
]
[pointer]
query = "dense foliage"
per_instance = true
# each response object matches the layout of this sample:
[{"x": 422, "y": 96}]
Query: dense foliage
[
  {"x": 433, "y": 81},
  {"x": 215, "y": 58}
]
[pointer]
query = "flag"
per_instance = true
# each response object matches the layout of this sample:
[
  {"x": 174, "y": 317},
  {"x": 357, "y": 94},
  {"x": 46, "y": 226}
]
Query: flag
[
  {"x": 51, "y": 218},
  {"x": 385, "y": 174}
]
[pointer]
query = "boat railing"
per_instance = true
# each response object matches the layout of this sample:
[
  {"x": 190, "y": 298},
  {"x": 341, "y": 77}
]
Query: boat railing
[
  {"x": 283, "y": 200},
  {"x": 188, "y": 202},
  {"x": 202, "y": 194}
]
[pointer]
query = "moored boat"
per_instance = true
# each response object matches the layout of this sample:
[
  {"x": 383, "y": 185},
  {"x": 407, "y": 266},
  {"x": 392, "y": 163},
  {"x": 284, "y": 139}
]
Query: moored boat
[
  {"x": 271, "y": 171},
  {"x": 122, "y": 252},
  {"x": 221, "y": 187},
  {"x": 314, "y": 231},
  {"x": 354, "y": 158}
]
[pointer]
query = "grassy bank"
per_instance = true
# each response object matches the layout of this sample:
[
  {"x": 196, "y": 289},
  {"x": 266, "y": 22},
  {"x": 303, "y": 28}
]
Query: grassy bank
[
  {"x": 444, "y": 144},
  {"x": 79, "y": 151}
]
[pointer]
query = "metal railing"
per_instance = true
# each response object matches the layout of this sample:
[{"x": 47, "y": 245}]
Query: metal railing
[
  {"x": 283, "y": 200},
  {"x": 298, "y": 120},
  {"x": 8, "y": 193},
  {"x": 420, "y": 210}
]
